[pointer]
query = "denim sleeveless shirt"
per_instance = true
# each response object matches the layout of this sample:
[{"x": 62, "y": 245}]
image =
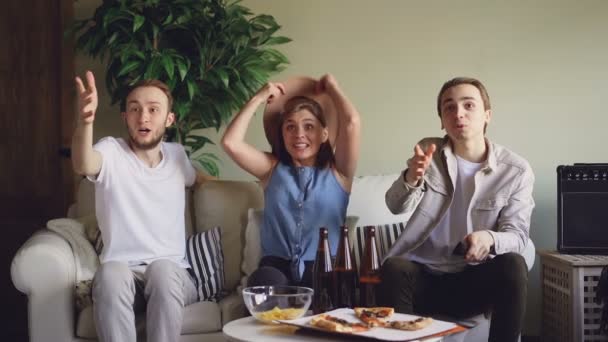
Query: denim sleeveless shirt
[{"x": 299, "y": 201}]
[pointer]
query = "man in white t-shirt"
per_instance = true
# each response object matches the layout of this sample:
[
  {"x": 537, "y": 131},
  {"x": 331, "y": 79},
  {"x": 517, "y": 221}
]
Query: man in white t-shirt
[
  {"x": 140, "y": 204},
  {"x": 470, "y": 202}
]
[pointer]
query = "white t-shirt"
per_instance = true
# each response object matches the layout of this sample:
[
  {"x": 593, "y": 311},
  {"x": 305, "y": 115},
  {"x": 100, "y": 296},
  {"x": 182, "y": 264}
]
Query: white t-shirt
[
  {"x": 140, "y": 210},
  {"x": 436, "y": 251}
]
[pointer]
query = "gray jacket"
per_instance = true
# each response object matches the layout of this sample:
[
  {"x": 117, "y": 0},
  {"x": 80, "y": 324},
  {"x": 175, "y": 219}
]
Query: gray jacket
[{"x": 502, "y": 202}]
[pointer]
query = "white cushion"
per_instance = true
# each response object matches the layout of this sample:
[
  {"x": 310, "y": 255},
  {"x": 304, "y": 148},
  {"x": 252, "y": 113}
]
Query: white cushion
[{"x": 367, "y": 201}]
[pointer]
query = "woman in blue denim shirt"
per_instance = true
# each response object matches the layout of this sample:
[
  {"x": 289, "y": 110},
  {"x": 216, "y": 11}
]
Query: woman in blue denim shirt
[{"x": 314, "y": 132}]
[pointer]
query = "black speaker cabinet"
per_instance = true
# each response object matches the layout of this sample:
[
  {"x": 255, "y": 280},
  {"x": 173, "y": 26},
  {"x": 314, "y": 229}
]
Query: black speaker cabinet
[{"x": 582, "y": 209}]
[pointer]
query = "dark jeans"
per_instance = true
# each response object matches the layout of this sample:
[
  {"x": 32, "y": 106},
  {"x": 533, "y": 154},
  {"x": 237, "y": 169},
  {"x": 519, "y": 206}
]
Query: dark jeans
[
  {"x": 278, "y": 271},
  {"x": 499, "y": 285}
]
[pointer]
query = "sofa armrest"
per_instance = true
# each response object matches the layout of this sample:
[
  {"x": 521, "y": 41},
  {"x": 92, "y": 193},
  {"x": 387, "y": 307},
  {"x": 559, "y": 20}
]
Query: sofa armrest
[{"x": 43, "y": 269}]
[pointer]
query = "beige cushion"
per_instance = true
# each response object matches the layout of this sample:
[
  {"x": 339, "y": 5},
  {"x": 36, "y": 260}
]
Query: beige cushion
[
  {"x": 225, "y": 204},
  {"x": 232, "y": 307},
  {"x": 201, "y": 317},
  {"x": 253, "y": 245}
]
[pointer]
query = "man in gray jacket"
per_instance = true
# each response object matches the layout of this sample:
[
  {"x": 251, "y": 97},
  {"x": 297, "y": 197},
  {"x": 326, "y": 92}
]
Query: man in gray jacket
[{"x": 471, "y": 202}]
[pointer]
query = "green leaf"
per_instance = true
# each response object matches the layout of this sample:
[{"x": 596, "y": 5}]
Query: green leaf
[
  {"x": 276, "y": 56},
  {"x": 113, "y": 15},
  {"x": 168, "y": 65},
  {"x": 207, "y": 163},
  {"x": 265, "y": 19},
  {"x": 191, "y": 89},
  {"x": 181, "y": 68},
  {"x": 223, "y": 75},
  {"x": 153, "y": 70},
  {"x": 138, "y": 21},
  {"x": 168, "y": 20},
  {"x": 113, "y": 38},
  {"x": 171, "y": 83},
  {"x": 127, "y": 68},
  {"x": 179, "y": 109},
  {"x": 197, "y": 141},
  {"x": 277, "y": 40}
]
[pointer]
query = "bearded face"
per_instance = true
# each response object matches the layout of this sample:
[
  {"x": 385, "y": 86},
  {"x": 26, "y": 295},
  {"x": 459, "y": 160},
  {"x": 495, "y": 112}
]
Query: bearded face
[{"x": 147, "y": 117}]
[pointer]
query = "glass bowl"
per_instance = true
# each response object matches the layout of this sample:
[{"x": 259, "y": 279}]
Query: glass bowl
[{"x": 269, "y": 303}]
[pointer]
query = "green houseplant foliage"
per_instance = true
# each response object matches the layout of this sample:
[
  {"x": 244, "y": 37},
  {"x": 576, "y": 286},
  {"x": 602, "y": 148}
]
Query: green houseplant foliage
[{"x": 213, "y": 54}]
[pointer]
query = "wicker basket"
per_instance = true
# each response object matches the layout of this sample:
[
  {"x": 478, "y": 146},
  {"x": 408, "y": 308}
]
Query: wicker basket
[{"x": 569, "y": 282}]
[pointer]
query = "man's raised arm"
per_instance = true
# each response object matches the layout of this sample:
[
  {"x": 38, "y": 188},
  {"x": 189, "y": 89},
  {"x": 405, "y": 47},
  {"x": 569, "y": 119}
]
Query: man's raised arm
[{"x": 85, "y": 160}]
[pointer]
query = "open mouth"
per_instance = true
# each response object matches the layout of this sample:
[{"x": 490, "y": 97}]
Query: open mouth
[
  {"x": 144, "y": 131},
  {"x": 301, "y": 146}
]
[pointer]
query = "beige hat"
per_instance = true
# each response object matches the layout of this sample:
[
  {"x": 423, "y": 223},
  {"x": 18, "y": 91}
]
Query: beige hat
[{"x": 299, "y": 86}]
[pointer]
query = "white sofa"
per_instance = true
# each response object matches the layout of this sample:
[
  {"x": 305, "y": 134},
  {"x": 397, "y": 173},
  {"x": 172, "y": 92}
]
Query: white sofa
[{"x": 44, "y": 267}]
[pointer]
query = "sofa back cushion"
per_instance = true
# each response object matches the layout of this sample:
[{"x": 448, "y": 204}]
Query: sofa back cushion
[
  {"x": 225, "y": 204},
  {"x": 367, "y": 201}
]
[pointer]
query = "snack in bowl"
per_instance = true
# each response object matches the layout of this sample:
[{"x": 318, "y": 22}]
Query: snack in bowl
[
  {"x": 278, "y": 313},
  {"x": 270, "y": 303}
]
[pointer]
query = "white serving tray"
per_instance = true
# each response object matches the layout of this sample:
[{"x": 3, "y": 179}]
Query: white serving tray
[{"x": 436, "y": 329}]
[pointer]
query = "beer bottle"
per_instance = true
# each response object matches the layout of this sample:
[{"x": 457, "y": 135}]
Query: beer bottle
[
  {"x": 369, "y": 274},
  {"x": 323, "y": 281},
  {"x": 345, "y": 272}
]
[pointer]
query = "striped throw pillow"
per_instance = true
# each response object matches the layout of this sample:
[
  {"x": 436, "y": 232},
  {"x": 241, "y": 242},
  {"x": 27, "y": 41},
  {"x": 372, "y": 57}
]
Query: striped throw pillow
[
  {"x": 386, "y": 235},
  {"x": 205, "y": 255}
]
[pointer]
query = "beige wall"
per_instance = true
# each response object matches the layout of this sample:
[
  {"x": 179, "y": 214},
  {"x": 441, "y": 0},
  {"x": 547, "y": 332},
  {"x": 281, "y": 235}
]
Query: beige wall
[{"x": 543, "y": 62}]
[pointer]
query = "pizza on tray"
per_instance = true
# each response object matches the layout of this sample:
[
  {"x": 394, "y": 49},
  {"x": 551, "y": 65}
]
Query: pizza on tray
[
  {"x": 374, "y": 317},
  {"x": 415, "y": 324},
  {"x": 370, "y": 318},
  {"x": 331, "y": 323}
]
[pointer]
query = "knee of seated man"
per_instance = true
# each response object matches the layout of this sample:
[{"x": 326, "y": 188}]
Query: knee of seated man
[
  {"x": 160, "y": 270},
  {"x": 110, "y": 279},
  {"x": 512, "y": 269},
  {"x": 396, "y": 267},
  {"x": 162, "y": 280}
]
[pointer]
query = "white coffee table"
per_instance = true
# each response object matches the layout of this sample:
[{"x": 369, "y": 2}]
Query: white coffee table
[{"x": 248, "y": 329}]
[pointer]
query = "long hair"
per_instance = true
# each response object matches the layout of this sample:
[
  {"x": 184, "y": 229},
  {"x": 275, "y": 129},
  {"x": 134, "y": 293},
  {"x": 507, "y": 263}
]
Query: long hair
[{"x": 325, "y": 155}]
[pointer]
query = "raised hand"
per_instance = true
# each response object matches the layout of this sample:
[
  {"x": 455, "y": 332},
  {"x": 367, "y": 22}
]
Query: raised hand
[
  {"x": 417, "y": 165},
  {"x": 479, "y": 244},
  {"x": 87, "y": 98},
  {"x": 326, "y": 83},
  {"x": 271, "y": 90}
]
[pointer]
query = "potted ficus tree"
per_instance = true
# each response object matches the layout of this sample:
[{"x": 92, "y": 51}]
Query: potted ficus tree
[{"x": 213, "y": 54}]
